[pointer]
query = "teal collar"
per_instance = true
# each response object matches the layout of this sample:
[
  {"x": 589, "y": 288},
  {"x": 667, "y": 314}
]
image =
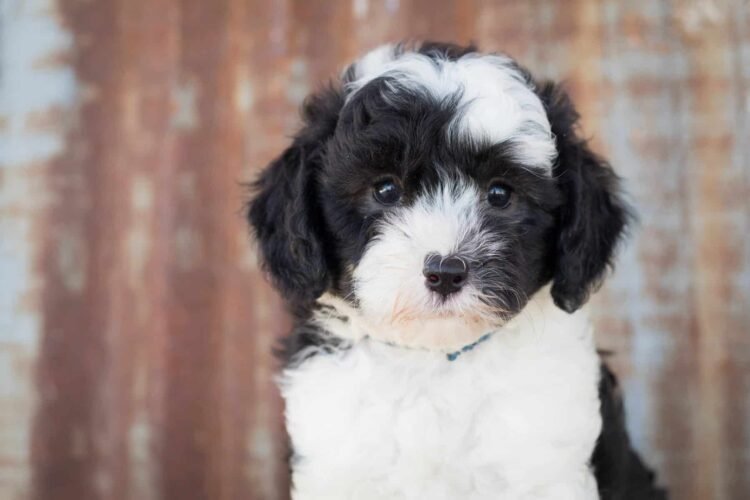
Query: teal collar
[{"x": 452, "y": 356}]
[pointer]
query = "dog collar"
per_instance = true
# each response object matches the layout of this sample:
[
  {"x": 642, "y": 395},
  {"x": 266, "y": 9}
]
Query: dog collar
[{"x": 452, "y": 356}]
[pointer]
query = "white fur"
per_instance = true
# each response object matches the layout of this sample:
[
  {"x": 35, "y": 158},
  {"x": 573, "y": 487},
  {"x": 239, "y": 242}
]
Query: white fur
[
  {"x": 388, "y": 280},
  {"x": 516, "y": 418},
  {"x": 496, "y": 102}
]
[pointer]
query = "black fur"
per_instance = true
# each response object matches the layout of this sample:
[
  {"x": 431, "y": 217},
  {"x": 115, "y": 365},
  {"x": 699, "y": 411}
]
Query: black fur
[
  {"x": 313, "y": 215},
  {"x": 594, "y": 215},
  {"x": 620, "y": 473},
  {"x": 286, "y": 214}
]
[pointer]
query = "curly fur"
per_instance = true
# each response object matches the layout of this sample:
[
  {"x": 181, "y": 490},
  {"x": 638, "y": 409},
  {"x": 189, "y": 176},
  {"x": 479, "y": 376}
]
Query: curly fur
[{"x": 375, "y": 409}]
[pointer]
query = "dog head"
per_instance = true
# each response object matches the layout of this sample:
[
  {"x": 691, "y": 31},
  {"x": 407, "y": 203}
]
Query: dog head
[{"x": 431, "y": 192}]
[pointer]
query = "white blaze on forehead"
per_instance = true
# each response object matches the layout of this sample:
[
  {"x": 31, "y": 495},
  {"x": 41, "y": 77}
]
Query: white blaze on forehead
[
  {"x": 442, "y": 220},
  {"x": 497, "y": 103}
]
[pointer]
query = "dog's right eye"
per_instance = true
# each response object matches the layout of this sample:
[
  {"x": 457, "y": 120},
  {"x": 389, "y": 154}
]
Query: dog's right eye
[{"x": 386, "y": 192}]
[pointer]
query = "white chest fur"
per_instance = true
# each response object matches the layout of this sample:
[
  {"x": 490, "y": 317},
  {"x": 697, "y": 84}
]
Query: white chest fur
[{"x": 516, "y": 418}]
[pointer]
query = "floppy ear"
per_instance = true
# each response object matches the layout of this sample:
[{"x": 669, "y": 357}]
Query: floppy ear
[
  {"x": 593, "y": 215},
  {"x": 285, "y": 212}
]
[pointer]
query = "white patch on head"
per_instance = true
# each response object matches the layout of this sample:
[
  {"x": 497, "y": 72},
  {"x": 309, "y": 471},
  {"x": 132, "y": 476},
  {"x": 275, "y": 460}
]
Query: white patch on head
[
  {"x": 375, "y": 421},
  {"x": 373, "y": 62},
  {"x": 496, "y": 103},
  {"x": 394, "y": 303}
]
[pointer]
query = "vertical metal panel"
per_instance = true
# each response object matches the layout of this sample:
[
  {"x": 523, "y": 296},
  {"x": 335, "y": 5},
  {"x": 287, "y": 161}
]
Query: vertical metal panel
[
  {"x": 135, "y": 327},
  {"x": 36, "y": 92},
  {"x": 649, "y": 295}
]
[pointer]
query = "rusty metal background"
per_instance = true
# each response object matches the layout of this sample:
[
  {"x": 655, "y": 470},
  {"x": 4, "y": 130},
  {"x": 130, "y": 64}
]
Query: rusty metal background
[{"x": 135, "y": 328}]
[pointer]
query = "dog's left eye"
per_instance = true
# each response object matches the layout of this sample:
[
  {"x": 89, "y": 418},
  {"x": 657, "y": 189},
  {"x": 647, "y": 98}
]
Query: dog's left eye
[
  {"x": 387, "y": 192},
  {"x": 499, "y": 195}
]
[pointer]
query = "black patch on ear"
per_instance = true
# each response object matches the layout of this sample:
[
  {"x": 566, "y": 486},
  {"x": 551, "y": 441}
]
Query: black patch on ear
[
  {"x": 285, "y": 211},
  {"x": 593, "y": 216}
]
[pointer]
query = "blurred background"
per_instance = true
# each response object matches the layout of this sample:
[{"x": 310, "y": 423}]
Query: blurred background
[{"x": 135, "y": 328}]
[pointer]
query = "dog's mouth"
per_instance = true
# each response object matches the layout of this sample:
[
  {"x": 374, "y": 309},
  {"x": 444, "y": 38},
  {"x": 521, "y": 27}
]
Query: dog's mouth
[{"x": 448, "y": 307}]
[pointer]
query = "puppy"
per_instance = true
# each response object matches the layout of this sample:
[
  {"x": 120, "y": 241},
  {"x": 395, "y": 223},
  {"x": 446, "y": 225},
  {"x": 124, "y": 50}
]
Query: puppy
[{"x": 436, "y": 227}]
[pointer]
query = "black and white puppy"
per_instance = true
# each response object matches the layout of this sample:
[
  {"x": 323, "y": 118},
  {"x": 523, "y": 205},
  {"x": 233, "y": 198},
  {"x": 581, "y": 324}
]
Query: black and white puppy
[{"x": 436, "y": 227}]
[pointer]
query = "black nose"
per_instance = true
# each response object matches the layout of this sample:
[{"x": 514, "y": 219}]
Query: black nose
[{"x": 444, "y": 275}]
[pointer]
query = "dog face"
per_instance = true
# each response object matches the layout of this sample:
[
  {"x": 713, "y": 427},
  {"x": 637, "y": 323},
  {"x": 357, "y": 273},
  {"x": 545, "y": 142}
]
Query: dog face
[{"x": 431, "y": 193}]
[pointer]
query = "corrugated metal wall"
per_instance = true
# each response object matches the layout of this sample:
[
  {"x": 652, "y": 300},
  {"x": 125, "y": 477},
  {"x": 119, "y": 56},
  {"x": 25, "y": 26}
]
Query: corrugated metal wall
[{"x": 135, "y": 328}]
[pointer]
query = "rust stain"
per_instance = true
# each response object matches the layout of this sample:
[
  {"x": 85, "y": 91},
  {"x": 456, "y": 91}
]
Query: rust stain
[
  {"x": 49, "y": 120},
  {"x": 72, "y": 439},
  {"x": 193, "y": 439},
  {"x": 711, "y": 264}
]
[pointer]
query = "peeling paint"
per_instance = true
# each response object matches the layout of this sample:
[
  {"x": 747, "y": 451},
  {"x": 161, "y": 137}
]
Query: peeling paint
[
  {"x": 261, "y": 446},
  {"x": 187, "y": 245},
  {"x": 298, "y": 87},
  {"x": 144, "y": 469},
  {"x": 244, "y": 93},
  {"x": 695, "y": 16},
  {"x": 185, "y": 116},
  {"x": 138, "y": 239},
  {"x": 360, "y": 8},
  {"x": 71, "y": 261},
  {"x": 31, "y": 33}
]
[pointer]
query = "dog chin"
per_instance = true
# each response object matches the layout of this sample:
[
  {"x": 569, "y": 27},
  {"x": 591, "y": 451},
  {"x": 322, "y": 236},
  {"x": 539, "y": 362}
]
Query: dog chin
[
  {"x": 441, "y": 332},
  {"x": 441, "y": 329}
]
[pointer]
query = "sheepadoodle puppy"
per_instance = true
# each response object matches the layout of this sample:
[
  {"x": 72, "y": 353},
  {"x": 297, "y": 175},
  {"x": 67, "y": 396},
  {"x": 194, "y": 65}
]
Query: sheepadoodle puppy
[{"x": 436, "y": 227}]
